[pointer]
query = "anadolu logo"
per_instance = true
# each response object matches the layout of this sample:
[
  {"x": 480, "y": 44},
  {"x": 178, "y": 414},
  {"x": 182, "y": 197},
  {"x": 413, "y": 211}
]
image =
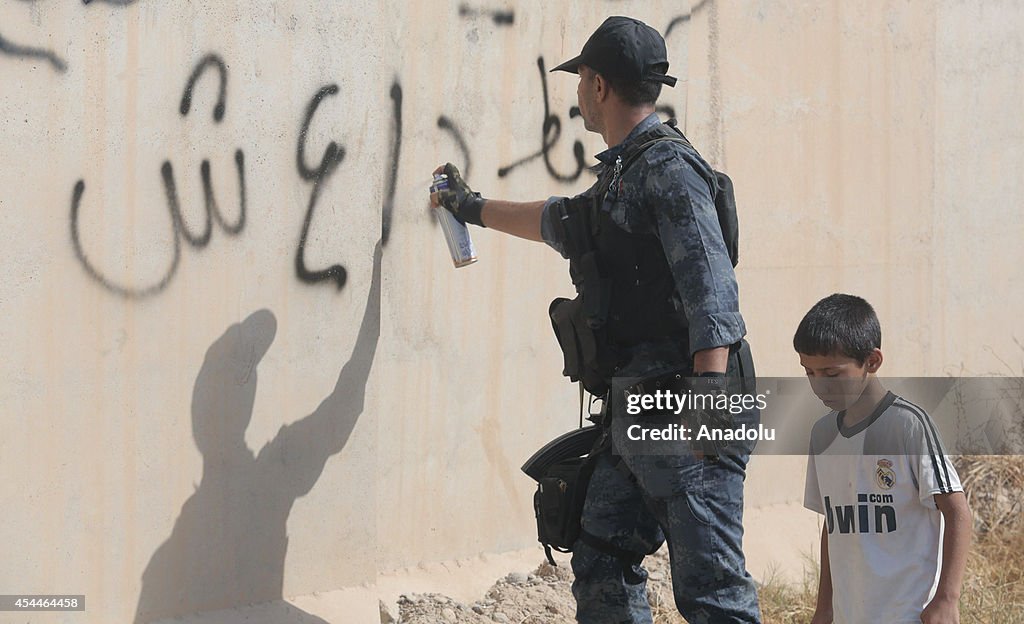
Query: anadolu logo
[{"x": 884, "y": 475}]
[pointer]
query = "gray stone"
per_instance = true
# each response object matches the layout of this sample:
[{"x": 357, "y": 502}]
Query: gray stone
[{"x": 386, "y": 616}]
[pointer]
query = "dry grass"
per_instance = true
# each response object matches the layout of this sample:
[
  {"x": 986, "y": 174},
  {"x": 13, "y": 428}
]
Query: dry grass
[
  {"x": 786, "y": 603},
  {"x": 663, "y": 608},
  {"x": 993, "y": 590},
  {"x": 994, "y": 485}
]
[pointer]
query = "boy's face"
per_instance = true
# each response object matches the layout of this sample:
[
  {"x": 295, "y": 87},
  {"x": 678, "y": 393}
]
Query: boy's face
[{"x": 839, "y": 380}]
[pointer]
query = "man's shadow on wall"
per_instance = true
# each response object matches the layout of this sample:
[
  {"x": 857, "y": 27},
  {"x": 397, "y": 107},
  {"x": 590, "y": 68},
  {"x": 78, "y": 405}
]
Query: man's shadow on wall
[{"x": 229, "y": 542}]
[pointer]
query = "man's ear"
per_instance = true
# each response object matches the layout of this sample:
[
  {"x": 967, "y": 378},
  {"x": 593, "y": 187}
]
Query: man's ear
[{"x": 601, "y": 89}]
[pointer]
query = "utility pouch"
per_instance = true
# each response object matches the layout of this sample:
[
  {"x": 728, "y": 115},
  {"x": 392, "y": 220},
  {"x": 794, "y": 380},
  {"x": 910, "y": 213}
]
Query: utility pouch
[
  {"x": 560, "y": 312},
  {"x": 587, "y": 355},
  {"x": 558, "y": 503},
  {"x": 580, "y": 324}
]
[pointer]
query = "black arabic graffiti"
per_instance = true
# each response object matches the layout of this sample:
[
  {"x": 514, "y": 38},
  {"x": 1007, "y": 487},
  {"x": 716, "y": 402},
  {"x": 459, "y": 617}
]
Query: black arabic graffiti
[
  {"x": 329, "y": 162},
  {"x": 665, "y": 109},
  {"x": 396, "y": 149},
  {"x": 551, "y": 130},
  {"x": 552, "y": 125},
  {"x": 210, "y": 60},
  {"x": 449, "y": 126},
  {"x": 20, "y": 51},
  {"x": 501, "y": 18},
  {"x": 679, "y": 19},
  {"x": 333, "y": 156},
  {"x": 179, "y": 228}
]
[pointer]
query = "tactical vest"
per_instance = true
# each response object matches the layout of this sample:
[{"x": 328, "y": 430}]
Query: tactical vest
[
  {"x": 626, "y": 290},
  {"x": 641, "y": 286}
]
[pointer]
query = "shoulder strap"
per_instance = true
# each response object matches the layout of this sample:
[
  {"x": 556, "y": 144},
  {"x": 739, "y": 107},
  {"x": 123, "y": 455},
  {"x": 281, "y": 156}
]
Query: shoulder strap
[
  {"x": 634, "y": 154},
  {"x": 666, "y": 131}
]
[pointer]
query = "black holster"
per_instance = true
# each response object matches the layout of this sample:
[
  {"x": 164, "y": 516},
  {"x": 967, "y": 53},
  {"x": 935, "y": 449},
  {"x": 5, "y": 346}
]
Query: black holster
[
  {"x": 562, "y": 487},
  {"x": 558, "y": 503}
]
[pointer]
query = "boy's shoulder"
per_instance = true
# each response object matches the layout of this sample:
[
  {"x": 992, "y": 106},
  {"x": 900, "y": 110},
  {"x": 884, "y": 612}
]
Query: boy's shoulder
[{"x": 900, "y": 429}]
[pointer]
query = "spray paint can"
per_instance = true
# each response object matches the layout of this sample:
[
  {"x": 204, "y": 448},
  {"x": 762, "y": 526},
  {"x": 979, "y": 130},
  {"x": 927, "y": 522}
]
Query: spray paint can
[{"x": 456, "y": 234}]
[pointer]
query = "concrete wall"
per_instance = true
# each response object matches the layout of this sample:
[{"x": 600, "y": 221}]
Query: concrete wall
[{"x": 876, "y": 149}]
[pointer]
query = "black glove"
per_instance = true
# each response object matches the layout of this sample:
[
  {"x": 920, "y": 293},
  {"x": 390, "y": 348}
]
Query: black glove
[
  {"x": 459, "y": 199},
  {"x": 715, "y": 418}
]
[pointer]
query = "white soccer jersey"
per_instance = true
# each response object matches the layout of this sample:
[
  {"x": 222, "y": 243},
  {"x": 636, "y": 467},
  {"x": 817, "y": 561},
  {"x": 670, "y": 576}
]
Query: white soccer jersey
[{"x": 874, "y": 483}]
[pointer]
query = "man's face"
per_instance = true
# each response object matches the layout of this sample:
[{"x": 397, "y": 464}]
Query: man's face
[
  {"x": 836, "y": 379},
  {"x": 586, "y": 96}
]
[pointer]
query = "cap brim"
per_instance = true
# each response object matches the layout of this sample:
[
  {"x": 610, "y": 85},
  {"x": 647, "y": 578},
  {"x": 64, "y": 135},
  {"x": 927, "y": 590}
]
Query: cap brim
[
  {"x": 665, "y": 79},
  {"x": 572, "y": 65}
]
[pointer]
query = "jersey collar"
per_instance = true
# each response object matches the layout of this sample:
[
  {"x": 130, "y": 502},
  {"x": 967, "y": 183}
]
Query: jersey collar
[{"x": 849, "y": 432}]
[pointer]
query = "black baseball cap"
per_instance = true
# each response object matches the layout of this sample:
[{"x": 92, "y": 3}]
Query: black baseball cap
[{"x": 626, "y": 49}]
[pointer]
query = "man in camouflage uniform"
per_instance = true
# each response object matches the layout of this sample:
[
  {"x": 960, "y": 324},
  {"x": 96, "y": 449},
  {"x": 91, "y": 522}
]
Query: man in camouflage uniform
[{"x": 663, "y": 204}]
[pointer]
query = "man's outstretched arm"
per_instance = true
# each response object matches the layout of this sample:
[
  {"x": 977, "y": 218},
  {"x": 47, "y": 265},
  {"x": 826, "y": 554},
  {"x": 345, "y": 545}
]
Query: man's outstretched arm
[{"x": 520, "y": 219}]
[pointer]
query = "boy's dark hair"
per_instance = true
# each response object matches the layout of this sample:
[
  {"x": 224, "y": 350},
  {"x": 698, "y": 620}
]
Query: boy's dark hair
[
  {"x": 842, "y": 324},
  {"x": 635, "y": 93}
]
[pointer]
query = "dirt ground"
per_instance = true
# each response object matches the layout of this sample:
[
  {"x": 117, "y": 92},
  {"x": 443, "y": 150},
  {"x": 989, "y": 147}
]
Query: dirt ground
[{"x": 543, "y": 597}]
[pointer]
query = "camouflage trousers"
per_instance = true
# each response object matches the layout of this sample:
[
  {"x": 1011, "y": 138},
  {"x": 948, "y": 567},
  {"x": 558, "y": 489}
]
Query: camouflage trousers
[{"x": 696, "y": 506}]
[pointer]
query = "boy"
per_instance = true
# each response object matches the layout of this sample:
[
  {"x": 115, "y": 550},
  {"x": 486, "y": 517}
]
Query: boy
[{"x": 897, "y": 527}]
